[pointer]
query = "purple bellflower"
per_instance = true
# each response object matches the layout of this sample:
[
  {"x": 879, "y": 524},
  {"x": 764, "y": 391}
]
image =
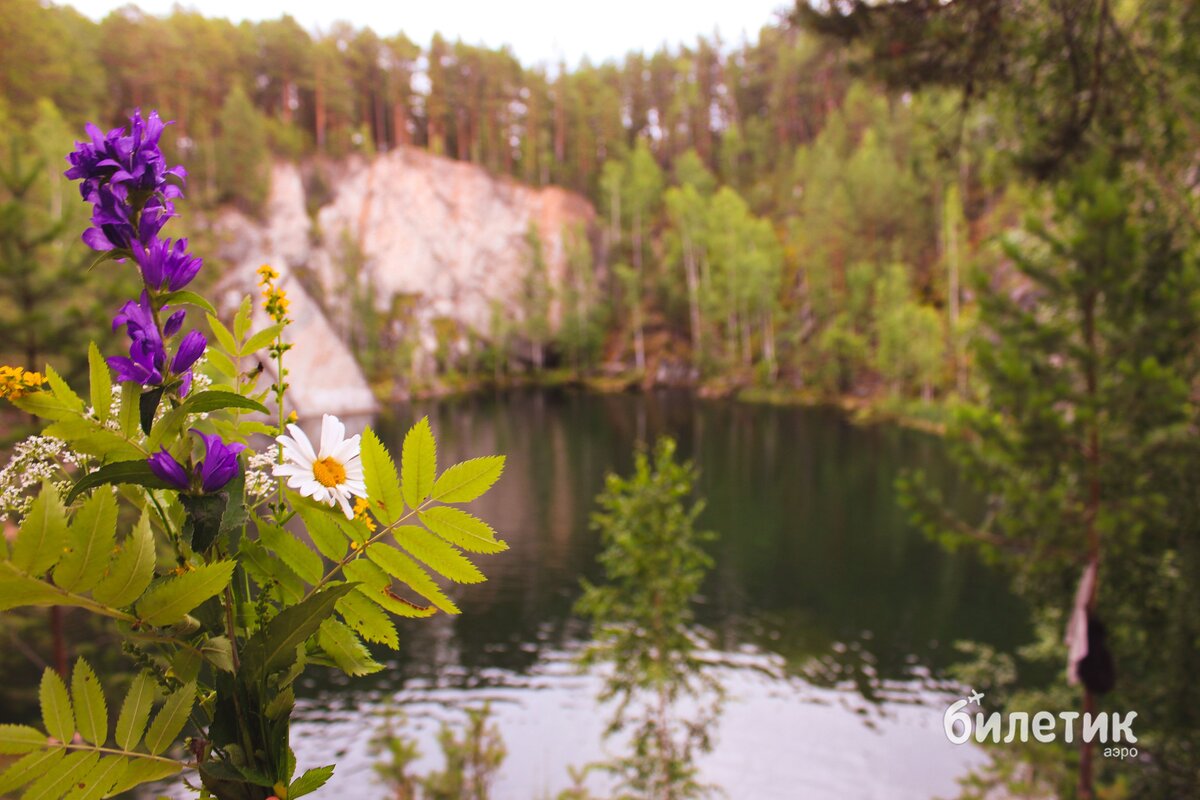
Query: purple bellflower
[
  {"x": 112, "y": 221},
  {"x": 211, "y": 473},
  {"x": 129, "y": 162},
  {"x": 165, "y": 266}
]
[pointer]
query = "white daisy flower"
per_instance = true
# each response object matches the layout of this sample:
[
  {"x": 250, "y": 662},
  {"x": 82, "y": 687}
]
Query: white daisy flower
[{"x": 329, "y": 475}]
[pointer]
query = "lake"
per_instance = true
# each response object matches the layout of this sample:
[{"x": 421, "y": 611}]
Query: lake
[{"x": 835, "y": 620}]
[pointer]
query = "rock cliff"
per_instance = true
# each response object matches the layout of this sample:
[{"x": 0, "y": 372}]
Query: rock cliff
[{"x": 446, "y": 237}]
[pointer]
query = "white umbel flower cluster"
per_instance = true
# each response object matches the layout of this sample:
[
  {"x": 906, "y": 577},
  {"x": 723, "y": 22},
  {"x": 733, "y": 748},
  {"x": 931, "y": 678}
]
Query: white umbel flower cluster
[{"x": 36, "y": 459}]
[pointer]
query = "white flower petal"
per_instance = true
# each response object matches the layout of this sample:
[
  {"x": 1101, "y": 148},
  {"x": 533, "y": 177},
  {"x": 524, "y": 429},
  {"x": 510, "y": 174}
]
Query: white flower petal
[
  {"x": 287, "y": 470},
  {"x": 332, "y": 433},
  {"x": 292, "y": 451},
  {"x": 347, "y": 451},
  {"x": 304, "y": 446},
  {"x": 310, "y": 489},
  {"x": 356, "y": 488},
  {"x": 345, "y": 505}
]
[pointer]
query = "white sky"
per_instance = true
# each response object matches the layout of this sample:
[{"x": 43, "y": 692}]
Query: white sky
[{"x": 538, "y": 30}]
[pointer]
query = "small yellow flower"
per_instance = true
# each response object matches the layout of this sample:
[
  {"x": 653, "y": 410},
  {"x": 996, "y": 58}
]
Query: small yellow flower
[
  {"x": 292, "y": 417},
  {"x": 16, "y": 382},
  {"x": 361, "y": 509},
  {"x": 267, "y": 275}
]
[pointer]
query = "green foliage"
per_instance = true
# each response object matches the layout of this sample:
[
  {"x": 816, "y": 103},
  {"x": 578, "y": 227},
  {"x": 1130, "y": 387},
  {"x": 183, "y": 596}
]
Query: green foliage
[
  {"x": 56, "y": 764},
  {"x": 243, "y": 163},
  {"x": 472, "y": 759},
  {"x": 642, "y": 620}
]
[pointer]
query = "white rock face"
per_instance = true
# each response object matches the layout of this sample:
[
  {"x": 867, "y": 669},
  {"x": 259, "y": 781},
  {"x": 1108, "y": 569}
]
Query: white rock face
[{"x": 446, "y": 235}]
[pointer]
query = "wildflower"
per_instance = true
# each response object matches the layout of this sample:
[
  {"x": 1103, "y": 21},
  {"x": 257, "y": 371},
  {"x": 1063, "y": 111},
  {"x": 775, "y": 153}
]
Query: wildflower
[
  {"x": 165, "y": 266},
  {"x": 266, "y": 275},
  {"x": 17, "y": 382},
  {"x": 362, "y": 513},
  {"x": 211, "y": 473},
  {"x": 127, "y": 162},
  {"x": 276, "y": 303},
  {"x": 332, "y": 474},
  {"x": 112, "y": 221}
]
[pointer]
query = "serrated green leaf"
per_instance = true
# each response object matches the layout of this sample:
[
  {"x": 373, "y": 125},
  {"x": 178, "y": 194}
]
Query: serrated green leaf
[
  {"x": 224, "y": 337},
  {"x": 267, "y": 571},
  {"x": 99, "y": 383},
  {"x": 100, "y": 781},
  {"x": 21, "y": 590},
  {"x": 170, "y": 719},
  {"x": 368, "y": 619},
  {"x": 273, "y": 647},
  {"x": 57, "y": 715},
  {"x": 131, "y": 571},
  {"x": 458, "y": 527},
  {"x": 172, "y": 600},
  {"x": 377, "y": 586},
  {"x": 91, "y": 712},
  {"x": 34, "y": 765},
  {"x": 42, "y": 535},
  {"x": 418, "y": 463},
  {"x": 144, "y": 770},
  {"x": 62, "y": 391},
  {"x": 241, "y": 320},
  {"x": 53, "y": 785},
  {"x": 310, "y": 781},
  {"x": 135, "y": 711},
  {"x": 293, "y": 552},
  {"x": 260, "y": 340},
  {"x": 90, "y": 537},
  {"x": 128, "y": 412},
  {"x": 464, "y": 482},
  {"x": 404, "y": 569},
  {"x": 324, "y": 532},
  {"x": 15, "y": 739},
  {"x": 383, "y": 485},
  {"x": 45, "y": 405},
  {"x": 135, "y": 472},
  {"x": 437, "y": 554},
  {"x": 219, "y": 652},
  {"x": 342, "y": 645},
  {"x": 216, "y": 400},
  {"x": 186, "y": 297},
  {"x": 221, "y": 363}
]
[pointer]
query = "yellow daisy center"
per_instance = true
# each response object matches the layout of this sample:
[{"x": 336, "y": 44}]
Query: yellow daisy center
[{"x": 329, "y": 472}]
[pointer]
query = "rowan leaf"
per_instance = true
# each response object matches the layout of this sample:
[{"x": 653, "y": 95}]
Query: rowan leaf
[
  {"x": 135, "y": 711},
  {"x": 368, "y": 619},
  {"x": 170, "y": 719},
  {"x": 91, "y": 711},
  {"x": 99, "y": 383},
  {"x": 16, "y": 739},
  {"x": 172, "y": 600},
  {"x": 439, "y": 555},
  {"x": 90, "y": 537},
  {"x": 342, "y": 645},
  {"x": 57, "y": 714},
  {"x": 404, "y": 569},
  {"x": 383, "y": 485},
  {"x": 418, "y": 463},
  {"x": 464, "y": 482},
  {"x": 458, "y": 527},
  {"x": 131, "y": 571},
  {"x": 42, "y": 535}
]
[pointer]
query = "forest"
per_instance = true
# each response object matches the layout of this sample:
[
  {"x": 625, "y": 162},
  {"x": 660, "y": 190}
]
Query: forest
[{"x": 978, "y": 215}]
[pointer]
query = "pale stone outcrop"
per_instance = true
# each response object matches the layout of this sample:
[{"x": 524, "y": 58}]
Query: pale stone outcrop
[{"x": 446, "y": 235}]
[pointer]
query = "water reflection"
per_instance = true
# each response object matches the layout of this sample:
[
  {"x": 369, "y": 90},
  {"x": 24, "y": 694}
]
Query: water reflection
[{"x": 830, "y": 612}]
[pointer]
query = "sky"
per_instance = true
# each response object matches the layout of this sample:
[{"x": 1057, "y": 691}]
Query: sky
[{"x": 539, "y": 31}]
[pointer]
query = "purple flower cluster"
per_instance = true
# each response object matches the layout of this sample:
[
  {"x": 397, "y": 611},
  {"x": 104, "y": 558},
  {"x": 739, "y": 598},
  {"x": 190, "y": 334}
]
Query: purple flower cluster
[
  {"x": 211, "y": 473},
  {"x": 125, "y": 177}
]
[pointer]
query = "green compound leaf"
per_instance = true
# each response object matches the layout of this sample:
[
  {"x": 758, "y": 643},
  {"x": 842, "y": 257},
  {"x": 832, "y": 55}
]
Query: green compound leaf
[
  {"x": 90, "y": 539},
  {"x": 437, "y": 554},
  {"x": 377, "y": 585},
  {"x": 131, "y": 571},
  {"x": 42, "y": 535},
  {"x": 172, "y": 600},
  {"x": 273, "y": 647},
  {"x": 383, "y": 485},
  {"x": 418, "y": 463},
  {"x": 458, "y": 527},
  {"x": 17, "y": 739},
  {"x": 91, "y": 711},
  {"x": 144, "y": 770},
  {"x": 464, "y": 482},
  {"x": 404, "y": 569},
  {"x": 170, "y": 718},
  {"x": 368, "y": 619},
  {"x": 100, "y": 383},
  {"x": 56, "y": 783},
  {"x": 57, "y": 714},
  {"x": 100, "y": 781},
  {"x": 310, "y": 781},
  {"x": 342, "y": 645},
  {"x": 291, "y": 551},
  {"x": 38, "y": 763},
  {"x": 135, "y": 711}
]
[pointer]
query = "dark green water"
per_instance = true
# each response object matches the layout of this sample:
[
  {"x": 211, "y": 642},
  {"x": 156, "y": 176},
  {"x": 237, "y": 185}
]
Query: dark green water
[
  {"x": 813, "y": 547},
  {"x": 836, "y": 616}
]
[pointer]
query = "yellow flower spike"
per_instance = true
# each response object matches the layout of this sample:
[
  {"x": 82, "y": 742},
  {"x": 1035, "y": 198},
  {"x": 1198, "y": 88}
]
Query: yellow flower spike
[{"x": 361, "y": 513}]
